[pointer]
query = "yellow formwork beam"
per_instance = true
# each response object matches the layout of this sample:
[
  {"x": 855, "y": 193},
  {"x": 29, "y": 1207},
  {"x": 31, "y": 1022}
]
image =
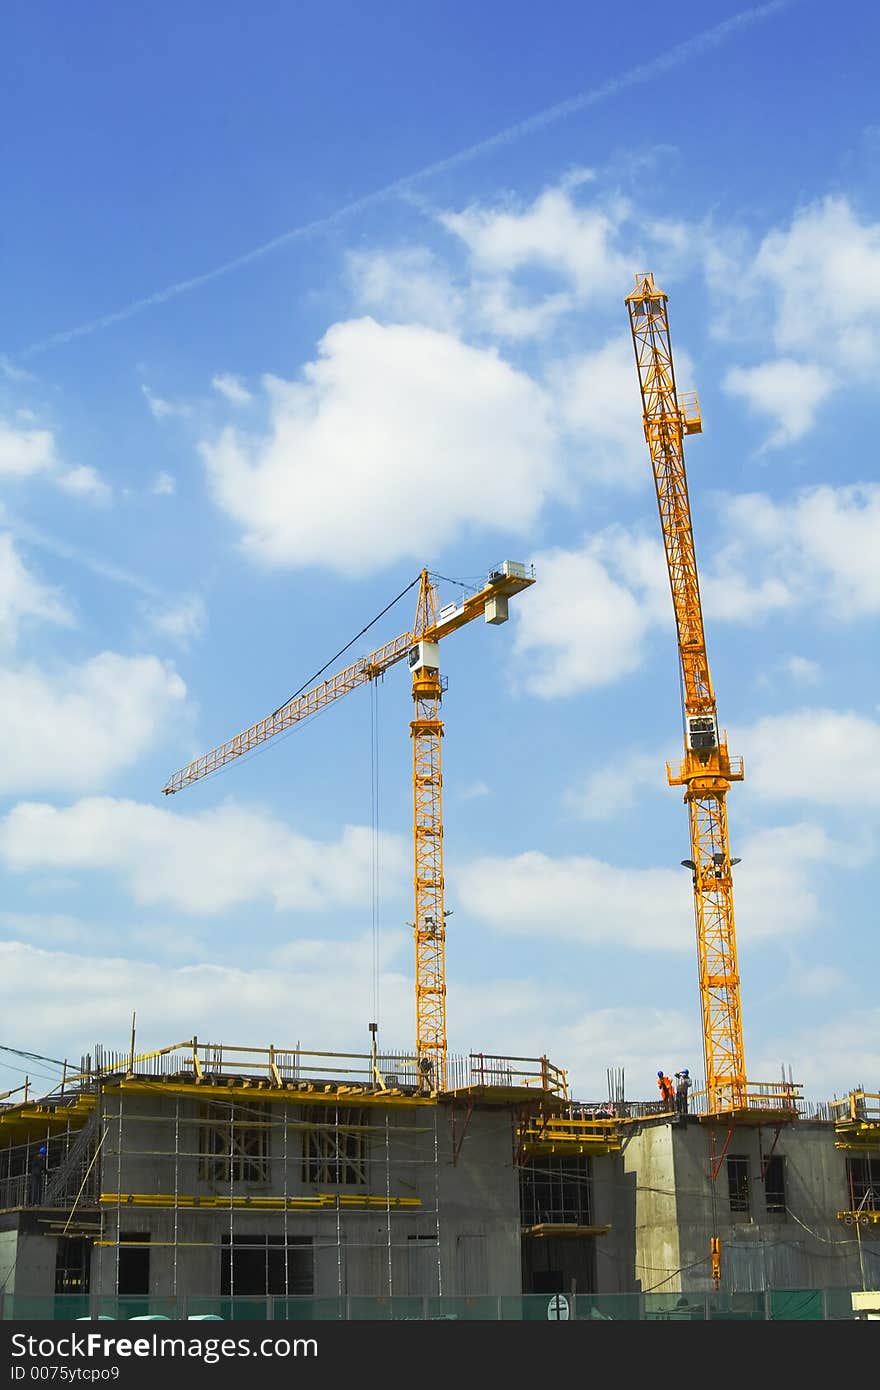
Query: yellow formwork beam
[
  {"x": 214, "y": 1202},
  {"x": 859, "y": 1218},
  {"x": 292, "y": 1096},
  {"x": 31, "y": 1118}
]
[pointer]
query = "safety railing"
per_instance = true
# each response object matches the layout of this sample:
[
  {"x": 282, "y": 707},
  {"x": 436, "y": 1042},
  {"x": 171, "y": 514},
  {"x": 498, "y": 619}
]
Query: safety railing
[
  {"x": 282, "y": 1067},
  {"x": 857, "y": 1107}
]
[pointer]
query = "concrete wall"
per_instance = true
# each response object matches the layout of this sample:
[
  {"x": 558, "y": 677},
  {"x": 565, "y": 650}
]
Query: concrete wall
[
  {"x": 614, "y": 1182},
  {"x": 648, "y": 1206},
  {"x": 678, "y": 1208},
  {"x": 805, "y": 1247},
  {"x": 34, "y": 1258},
  {"x": 8, "y": 1251},
  {"x": 479, "y": 1203}
]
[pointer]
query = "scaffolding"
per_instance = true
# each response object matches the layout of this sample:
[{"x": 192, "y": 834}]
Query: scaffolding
[{"x": 253, "y": 1171}]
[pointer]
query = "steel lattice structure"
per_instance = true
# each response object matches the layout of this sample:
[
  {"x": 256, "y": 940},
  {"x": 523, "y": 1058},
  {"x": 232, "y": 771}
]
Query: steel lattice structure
[
  {"x": 421, "y": 648},
  {"x": 429, "y": 925},
  {"x": 707, "y": 769}
]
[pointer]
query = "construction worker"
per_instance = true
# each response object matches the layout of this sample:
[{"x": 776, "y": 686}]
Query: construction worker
[
  {"x": 682, "y": 1086},
  {"x": 37, "y": 1177},
  {"x": 667, "y": 1091}
]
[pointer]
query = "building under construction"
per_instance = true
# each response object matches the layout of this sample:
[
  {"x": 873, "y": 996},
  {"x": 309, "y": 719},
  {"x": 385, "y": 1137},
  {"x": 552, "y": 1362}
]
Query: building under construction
[{"x": 226, "y": 1180}]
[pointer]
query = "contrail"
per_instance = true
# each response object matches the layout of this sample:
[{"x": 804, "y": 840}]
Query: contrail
[
  {"x": 103, "y": 568},
  {"x": 665, "y": 62}
]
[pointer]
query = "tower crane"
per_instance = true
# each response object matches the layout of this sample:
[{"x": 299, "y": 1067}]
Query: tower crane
[
  {"x": 707, "y": 769},
  {"x": 421, "y": 649}
]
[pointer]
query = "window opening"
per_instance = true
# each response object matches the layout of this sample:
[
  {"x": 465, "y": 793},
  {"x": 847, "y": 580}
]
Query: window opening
[{"x": 738, "y": 1183}]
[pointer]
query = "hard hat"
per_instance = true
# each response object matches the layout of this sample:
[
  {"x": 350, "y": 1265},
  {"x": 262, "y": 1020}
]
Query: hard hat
[
  {"x": 42, "y": 1148},
  {"x": 685, "y": 1072},
  {"x": 659, "y": 1073}
]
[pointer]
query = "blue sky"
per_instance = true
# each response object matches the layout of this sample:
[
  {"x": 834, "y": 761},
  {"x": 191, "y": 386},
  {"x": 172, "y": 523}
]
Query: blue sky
[{"x": 296, "y": 300}]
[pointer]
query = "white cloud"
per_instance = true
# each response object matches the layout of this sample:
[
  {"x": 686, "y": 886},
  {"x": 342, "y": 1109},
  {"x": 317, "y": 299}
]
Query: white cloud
[
  {"x": 55, "y": 928},
  {"x": 388, "y": 421},
  {"x": 13, "y": 371},
  {"x": 733, "y": 589},
  {"x": 168, "y": 940},
  {"x": 204, "y": 863},
  {"x": 582, "y": 626},
  {"x": 844, "y": 749},
  {"x": 84, "y": 482},
  {"x": 182, "y": 621},
  {"x": 162, "y": 409},
  {"x": 821, "y": 546},
  {"x": 407, "y": 286},
  {"x": 817, "y": 981},
  {"x": 802, "y": 669},
  {"x": 581, "y": 1029},
  {"x": 474, "y": 790},
  {"x": 231, "y": 388},
  {"x": 775, "y": 885},
  {"x": 67, "y": 1002},
  {"x": 553, "y": 233},
  {"x": 599, "y": 405},
  {"x": 824, "y": 272},
  {"x": 637, "y": 1040},
  {"x": 582, "y": 900},
  {"x": 610, "y": 790},
  {"x": 821, "y": 756},
  {"x": 497, "y": 308},
  {"x": 588, "y": 621},
  {"x": 25, "y": 452},
  {"x": 164, "y": 485},
  {"x": 159, "y": 409},
  {"x": 366, "y": 951},
  {"x": 827, "y": 1048},
  {"x": 76, "y": 728},
  {"x": 413, "y": 286},
  {"x": 23, "y": 597},
  {"x": 789, "y": 392}
]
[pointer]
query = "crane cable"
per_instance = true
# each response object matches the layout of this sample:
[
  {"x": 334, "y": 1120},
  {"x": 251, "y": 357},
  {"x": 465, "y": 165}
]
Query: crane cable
[
  {"x": 33, "y": 1056},
  {"x": 374, "y": 841},
  {"x": 30, "y": 1071},
  {"x": 311, "y": 679},
  {"x": 374, "y": 772}
]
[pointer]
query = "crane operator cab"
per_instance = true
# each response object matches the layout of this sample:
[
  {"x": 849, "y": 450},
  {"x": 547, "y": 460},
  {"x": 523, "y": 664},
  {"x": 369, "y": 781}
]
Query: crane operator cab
[
  {"x": 423, "y": 660},
  {"x": 702, "y": 733},
  {"x": 424, "y": 656}
]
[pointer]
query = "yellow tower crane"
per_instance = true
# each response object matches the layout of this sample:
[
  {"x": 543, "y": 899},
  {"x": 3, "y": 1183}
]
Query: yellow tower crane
[
  {"x": 707, "y": 769},
  {"x": 421, "y": 649}
]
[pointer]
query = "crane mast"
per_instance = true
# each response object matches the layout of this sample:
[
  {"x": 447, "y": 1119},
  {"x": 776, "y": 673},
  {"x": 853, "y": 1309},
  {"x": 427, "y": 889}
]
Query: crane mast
[
  {"x": 421, "y": 649},
  {"x": 707, "y": 770},
  {"x": 429, "y": 923}
]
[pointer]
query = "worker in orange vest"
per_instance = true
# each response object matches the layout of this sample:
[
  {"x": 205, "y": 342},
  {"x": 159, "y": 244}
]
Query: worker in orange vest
[{"x": 667, "y": 1090}]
